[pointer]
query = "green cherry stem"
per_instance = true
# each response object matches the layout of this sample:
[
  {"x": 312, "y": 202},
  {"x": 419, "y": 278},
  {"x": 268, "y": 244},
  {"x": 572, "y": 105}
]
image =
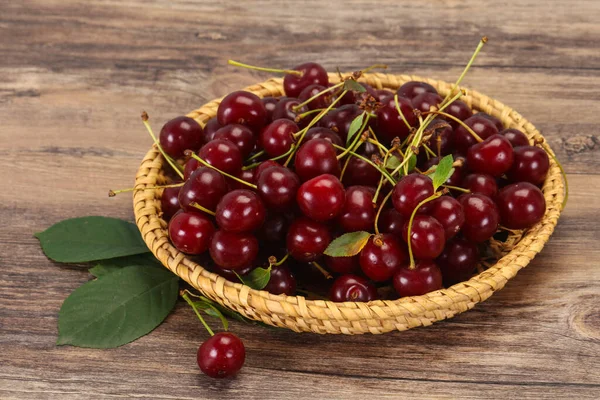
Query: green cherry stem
[
  {"x": 458, "y": 189},
  {"x": 255, "y": 156},
  {"x": 462, "y": 76},
  {"x": 385, "y": 199},
  {"x": 387, "y": 175},
  {"x": 374, "y": 66},
  {"x": 410, "y": 222},
  {"x": 275, "y": 70},
  {"x": 273, "y": 261},
  {"x": 322, "y": 270},
  {"x": 113, "y": 193},
  {"x": 190, "y": 153},
  {"x": 321, "y": 93},
  {"x": 400, "y": 112},
  {"x": 171, "y": 162},
  {"x": 199, "y": 207},
  {"x": 452, "y": 117},
  {"x": 184, "y": 294}
]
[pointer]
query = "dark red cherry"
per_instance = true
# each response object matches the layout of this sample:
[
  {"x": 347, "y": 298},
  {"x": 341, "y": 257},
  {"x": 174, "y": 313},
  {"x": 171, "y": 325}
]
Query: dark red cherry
[
  {"x": 448, "y": 212},
  {"x": 460, "y": 110},
  {"x": 247, "y": 175},
  {"x": 274, "y": 228},
  {"x": 222, "y": 355},
  {"x": 205, "y": 187},
  {"x": 281, "y": 281},
  {"x": 389, "y": 122},
  {"x": 277, "y": 187},
  {"x": 277, "y": 137},
  {"x": 285, "y": 109},
  {"x": 240, "y": 210},
  {"x": 481, "y": 217},
  {"x": 530, "y": 164},
  {"x": 270, "y": 103},
  {"x": 190, "y": 166},
  {"x": 339, "y": 120},
  {"x": 410, "y": 191},
  {"x": 391, "y": 221},
  {"x": 495, "y": 120},
  {"x": 316, "y": 157},
  {"x": 458, "y": 260},
  {"x": 319, "y": 132},
  {"x": 321, "y": 198},
  {"x": 521, "y": 205},
  {"x": 240, "y": 135},
  {"x": 425, "y": 278},
  {"x": 483, "y": 127},
  {"x": 427, "y": 237},
  {"x": 352, "y": 288},
  {"x": 412, "y": 89},
  {"x": 424, "y": 101},
  {"x": 445, "y": 135},
  {"x": 381, "y": 94},
  {"x": 180, "y": 134},
  {"x": 323, "y": 101},
  {"x": 169, "y": 202},
  {"x": 342, "y": 265},
  {"x": 190, "y": 232},
  {"x": 229, "y": 274},
  {"x": 231, "y": 250},
  {"x": 381, "y": 257},
  {"x": 493, "y": 156},
  {"x": 312, "y": 73},
  {"x": 223, "y": 155},
  {"x": 358, "y": 213},
  {"x": 307, "y": 239},
  {"x": 243, "y": 108},
  {"x": 481, "y": 183},
  {"x": 263, "y": 166},
  {"x": 515, "y": 137},
  {"x": 208, "y": 133},
  {"x": 360, "y": 172}
]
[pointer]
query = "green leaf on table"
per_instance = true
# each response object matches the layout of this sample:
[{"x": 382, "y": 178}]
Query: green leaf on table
[
  {"x": 117, "y": 308},
  {"x": 105, "y": 267},
  {"x": 355, "y": 126},
  {"x": 348, "y": 245},
  {"x": 93, "y": 238},
  {"x": 443, "y": 171},
  {"x": 351, "y": 84},
  {"x": 257, "y": 278}
]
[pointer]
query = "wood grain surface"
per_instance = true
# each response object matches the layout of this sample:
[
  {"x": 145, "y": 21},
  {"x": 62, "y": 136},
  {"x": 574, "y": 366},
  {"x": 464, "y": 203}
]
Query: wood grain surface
[{"x": 74, "y": 76}]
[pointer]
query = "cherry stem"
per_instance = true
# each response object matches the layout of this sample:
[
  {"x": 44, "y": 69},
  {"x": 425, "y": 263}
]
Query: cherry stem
[
  {"x": 199, "y": 207},
  {"x": 273, "y": 261},
  {"x": 462, "y": 76},
  {"x": 562, "y": 171},
  {"x": 400, "y": 112},
  {"x": 385, "y": 199},
  {"x": 383, "y": 150},
  {"x": 380, "y": 185},
  {"x": 113, "y": 193},
  {"x": 299, "y": 117},
  {"x": 321, "y": 93},
  {"x": 190, "y": 153},
  {"x": 452, "y": 117},
  {"x": 171, "y": 162},
  {"x": 428, "y": 151},
  {"x": 184, "y": 294},
  {"x": 410, "y": 222},
  {"x": 322, "y": 270},
  {"x": 255, "y": 156},
  {"x": 275, "y": 70},
  {"x": 357, "y": 137},
  {"x": 374, "y": 66},
  {"x": 459, "y": 189},
  {"x": 389, "y": 178},
  {"x": 356, "y": 146}
]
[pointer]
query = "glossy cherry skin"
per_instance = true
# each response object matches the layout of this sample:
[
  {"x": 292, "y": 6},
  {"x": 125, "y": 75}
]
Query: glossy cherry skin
[
  {"x": 278, "y": 187},
  {"x": 530, "y": 164},
  {"x": 352, "y": 288},
  {"x": 240, "y": 210},
  {"x": 339, "y": 120},
  {"x": 307, "y": 239},
  {"x": 460, "y": 110},
  {"x": 410, "y": 191},
  {"x": 270, "y": 103},
  {"x": 458, "y": 260},
  {"x": 277, "y": 137},
  {"x": 223, "y": 155},
  {"x": 231, "y": 250},
  {"x": 316, "y": 157},
  {"x": 248, "y": 175},
  {"x": 240, "y": 135},
  {"x": 449, "y": 213},
  {"x": 427, "y": 237},
  {"x": 391, "y": 221},
  {"x": 360, "y": 172},
  {"x": 515, "y": 137},
  {"x": 274, "y": 228},
  {"x": 208, "y": 133},
  {"x": 493, "y": 156},
  {"x": 319, "y": 132},
  {"x": 381, "y": 257},
  {"x": 169, "y": 202},
  {"x": 481, "y": 183},
  {"x": 190, "y": 166},
  {"x": 263, "y": 166},
  {"x": 243, "y": 108},
  {"x": 445, "y": 135},
  {"x": 222, "y": 355},
  {"x": 521, "y": 205},
  {"x": 483, "y": 127},
  {"x": 342, "y": 265},
  {"x": 495, "y": 120},
  {"x": 424, "y": 101},
  {"x": 412, "y": 89},
  {"x": 425, "y": 278},
  {"x": 180, "y": 134},
  {"x": 285, "y": 109},
  {"x": 389, "y": 122},
  {"x": 481, "y": 217},
  {"x": 321, "y": 198},
  {"x": 190, "y": 232},
  {"x": 323, "y": 101},
  {"x": 281, "y": 281},
  {"x": 381, "y": 94},
  {"x": 358, "y": 212},
  {"x": 312, "y": 73},
  {"x": 205, "y": 187}
]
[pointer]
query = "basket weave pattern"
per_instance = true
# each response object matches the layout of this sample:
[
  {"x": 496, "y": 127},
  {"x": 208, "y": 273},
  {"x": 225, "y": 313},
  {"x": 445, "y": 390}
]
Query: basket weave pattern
[{"x": 319, "y": 316}]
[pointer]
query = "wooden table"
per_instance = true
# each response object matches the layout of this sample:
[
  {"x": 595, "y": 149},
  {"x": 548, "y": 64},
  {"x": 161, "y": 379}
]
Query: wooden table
[{"x": 74, "y": 76}]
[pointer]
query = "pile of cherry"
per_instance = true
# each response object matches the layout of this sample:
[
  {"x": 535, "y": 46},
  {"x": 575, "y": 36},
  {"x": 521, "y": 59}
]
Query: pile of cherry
[{"x": 262, "y": 189}]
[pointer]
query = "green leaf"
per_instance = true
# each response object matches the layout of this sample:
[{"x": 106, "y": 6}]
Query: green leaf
[
  {"x": 91, "y": 238},
  {"x": 105, "y": 267},
  {"x": 117, "y": 309},
  {"x": 348, "y": 245},
  {"x": 443, "y": 171},
  {"x": 351, "y": 84},
  {"x": 393, "y": 162},
  {"x": 355, "y": 126},
  {"x": 412, "y": 162},
  {"x": 257, "y": 278}
]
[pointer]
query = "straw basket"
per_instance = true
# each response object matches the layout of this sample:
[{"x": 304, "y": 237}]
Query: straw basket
[{"x": 319, "y": 316}]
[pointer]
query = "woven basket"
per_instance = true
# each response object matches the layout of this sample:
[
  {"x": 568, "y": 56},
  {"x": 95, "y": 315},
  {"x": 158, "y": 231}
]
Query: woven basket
[{"x": 319, "y": 316}]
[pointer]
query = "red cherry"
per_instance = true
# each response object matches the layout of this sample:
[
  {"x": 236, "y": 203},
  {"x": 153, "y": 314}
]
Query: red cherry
[
  {"x": 521, "y": 205},
  {"x": 243, "y": 108},
  {"x": 205, "y": 187},
  {"x": 240, "y": 211},
  {"x": 263, "y": 166},
  {"x": 316, "y": 157},
  {"x": 319, "y": 132},
  {"x": 270, "y": 103},
  {"x": 425, "y": 278},
  {"x": 208, "y": 133},
  {"x": 222, "y": 355},
  {"x": 412, "y": 89},
  {"x": 446, "y": 138},
  {"x": 180, "y": 134},
  {"x": 493, "y": 156},
  {"x": 323, "y": 101},
  {"x": 247, "y": 175},
  {"x": 169, "y": 202},
  {"x": 530, "y": 164},
  {"x": 240, "y": 135},
  {"x": 190, "y": 232},
  {"x": 427, "y": 237},
  {"x": 360, "y": 172},
  {"x": 495, "y": 120},
  {"x": 307, "y": 239},
  {"x": 515, "y": 137},
  {"x": 285, "y": 109},
  {"x": 483, "y": 127},
  {"x": 223, "y": 155},
  {"x": 281, "y": 281},
  {"x": 277, "y": 187},
  {"x": 274, "y": 228},
  {"x": 312, "y": 73},
  {"x": 190, "y": 166},
  {"x": 358, "y": 213},
  {"x": 460, "y": 110},
  {"x": 389, "y": 122},
  {"x": 352, "y": 288},
  {"x": 481, "y": 217},
  {"x": 424, "y": 101},
  {"x": 391, "y": 221},
  {"x": 381, "y": 257},
  {"x": 231, "y": 250},
  {"x": 342, "y": 265},
  {"x": 410, "y": 191},
  {"x": 321, "y": 198},
  {"x": 481, "y": 183},
  {"x": 448, "y": 212},
  {"x": 339, "y": 120},
  {"x": 458, "y": 260},
  {"x": 277, "y": 137}
]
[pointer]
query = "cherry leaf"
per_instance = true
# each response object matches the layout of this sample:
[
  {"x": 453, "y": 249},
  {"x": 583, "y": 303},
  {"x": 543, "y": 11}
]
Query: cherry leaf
[
  {"x": 355, "y": 126},
  {"x": 348, "y": 245},
  {"x": 351, "y": 84},
  {"x": 443, "y": 171},
  {"x": 257, "y": 278}
]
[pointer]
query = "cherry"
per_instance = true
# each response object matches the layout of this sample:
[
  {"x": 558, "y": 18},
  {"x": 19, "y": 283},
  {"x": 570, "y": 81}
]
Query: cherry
[
  {"x": 381, "y": 94},
  {"x": 240, "y": 135},
  {"x": 483, "y": 127},
  {"x": 515, "y": 137},
  {"x": 424, "y": 101},
  {"x": 281, "y": 281},
  {"x": 412, "y": 89},
  {"x": 248, "y": 175},
  {"x": 446, "y": 135},
  {"x": 389, "y": 122},
  {"x": 352, "y": 288},
  {"x": 353, "y": 97},
  {"x": 358, "y": 212},
  {"x": 458, "y": 260},
  {"x": 277, "y": 187},
  {"x": 381, "y": 257},
  {"x": 530, "y": 164},
  {"x": 493, "y": 156},
  {"x": 229, "y": 274},
  {"x": 270, "y": 103},
  {"x": 521, "y": 205},
  {"x": 360, "y": 172},
  {"x": 321, "y": 198},
  {"x": 427, "y": 237},
  {"x": 243, "y": 108},
  {"x": 323, "y": 101},
  {"x": 319, "y": 132},
  {"x": 410, "y": 191},
  {"x": 231, "y": 250},
  {"x": 208, "y": 133},
  {"x": 277, "y": 137},
  {"x": 481, "y": 183},
  {"x": 285, "y": 109},
  {"x": 495, "y": 120},
  {"x": 391, "y": 221},
  {"x": 263, "y": 166},
  {"x": 424, "y": 278},
  {"x": 190, "y": 232},
  {"x": 449, "y": 213},
  {"x": 316, "y": 157},
  {"x": 481, "y": 217},
  {"x": 222, "y": 355},
  {"x": 169, "y": 202},
  {"x": 274, "y": 228},
  {"x": 307, "y": 239},
  {"x": 339, "y": 120},
  {"x": 342, "y": 265},
  {"x": 312, "y": 73},
  {"x": 240, "y": 210},
  {"x": 223, "y": 155},
  {"x": 190, "y": 166},
  {"x": 180, "y": 134},
  {"x": 205, "y": 187},
  {"x": 460, "y": 110}
]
